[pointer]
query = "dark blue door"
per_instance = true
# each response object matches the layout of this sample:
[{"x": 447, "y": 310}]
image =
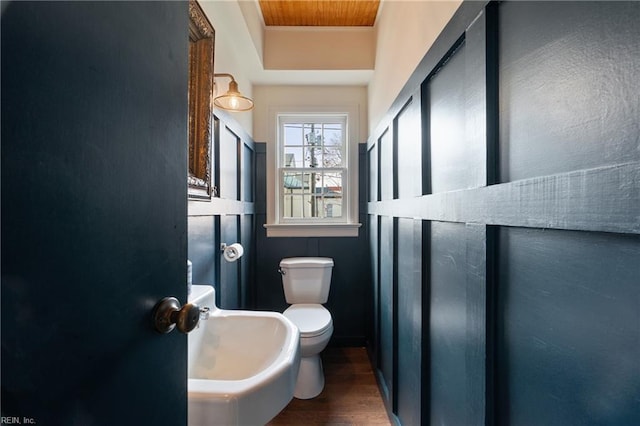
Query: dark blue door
[{"x": 94, "y": 203}]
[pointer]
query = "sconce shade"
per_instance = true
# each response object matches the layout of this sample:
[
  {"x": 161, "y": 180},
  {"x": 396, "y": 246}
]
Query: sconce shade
[{"x": 233, "y": 100}]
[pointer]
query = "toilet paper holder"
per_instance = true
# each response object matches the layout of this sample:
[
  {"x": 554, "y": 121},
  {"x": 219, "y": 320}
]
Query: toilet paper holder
[{"x": 231, "y": 252}]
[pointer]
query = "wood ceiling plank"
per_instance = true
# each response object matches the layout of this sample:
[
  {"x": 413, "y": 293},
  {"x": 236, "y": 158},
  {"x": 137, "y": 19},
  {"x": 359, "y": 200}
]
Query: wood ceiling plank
[{"x": 319, "y": 12}]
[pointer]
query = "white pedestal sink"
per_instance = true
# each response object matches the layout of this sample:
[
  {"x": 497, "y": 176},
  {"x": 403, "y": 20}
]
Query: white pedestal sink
[{"x": 243, "y": 365}]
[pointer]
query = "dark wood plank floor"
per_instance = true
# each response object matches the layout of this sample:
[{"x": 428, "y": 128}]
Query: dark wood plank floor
[{"x": 350, "y": 396}]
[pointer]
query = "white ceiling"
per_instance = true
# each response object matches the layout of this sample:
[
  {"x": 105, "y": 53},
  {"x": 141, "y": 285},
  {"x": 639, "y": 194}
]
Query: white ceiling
[{"x": 234, "y": 21}]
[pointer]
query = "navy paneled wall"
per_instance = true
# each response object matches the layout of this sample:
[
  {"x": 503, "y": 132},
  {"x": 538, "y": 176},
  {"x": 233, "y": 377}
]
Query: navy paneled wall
[
  {"x": 349, "y": 297},
  {"x": 504, "y": 236},
  {"x": 227, "y": 218}
]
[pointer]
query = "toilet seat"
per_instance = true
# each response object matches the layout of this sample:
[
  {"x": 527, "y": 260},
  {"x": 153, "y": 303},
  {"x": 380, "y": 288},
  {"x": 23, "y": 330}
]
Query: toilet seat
[{"x": 310, "y": 318}]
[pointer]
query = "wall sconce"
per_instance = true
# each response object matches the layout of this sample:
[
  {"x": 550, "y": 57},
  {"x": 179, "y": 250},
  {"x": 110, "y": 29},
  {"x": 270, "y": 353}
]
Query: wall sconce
[{"x": 233, "y": 99}]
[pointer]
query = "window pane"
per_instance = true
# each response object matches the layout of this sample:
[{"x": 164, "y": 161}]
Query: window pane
[
  {"x": 314, "y": 183},
  {"x": 333, "y": 144},
  {"x": 320, "y": 207},
  {"x": 313, "y": 157},
  {"x": 293, "y": 134},
  {"x": 310, "y": 208},
  {"x": 293, "y": 181},
  {"x": 287, "y": 205},
  {"x": 333, "y": 182},
  {"x": 309, "y": 180},
  {"x": 293, "y": 157},
  {"x": 333, "y": 134},
  {"x": 312, "y": 133},
  {"x": 332, "y": 194},
  {"x": 293, "y": 206},
  {"x": 332, "y": 156}
]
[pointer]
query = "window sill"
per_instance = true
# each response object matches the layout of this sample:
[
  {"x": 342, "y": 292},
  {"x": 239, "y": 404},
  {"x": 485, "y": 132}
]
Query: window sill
[{"x": 318, "y": 230}]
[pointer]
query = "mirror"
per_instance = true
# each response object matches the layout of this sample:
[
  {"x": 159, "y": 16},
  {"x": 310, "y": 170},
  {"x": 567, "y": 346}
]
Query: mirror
[{"x": 201, "y": 49}]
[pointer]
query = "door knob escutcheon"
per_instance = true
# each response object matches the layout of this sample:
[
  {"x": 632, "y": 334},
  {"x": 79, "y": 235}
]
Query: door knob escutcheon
[{"x": 167, "y": 315}]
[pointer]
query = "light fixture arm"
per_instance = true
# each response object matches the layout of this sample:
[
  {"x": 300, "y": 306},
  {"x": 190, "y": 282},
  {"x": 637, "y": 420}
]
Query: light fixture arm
[{"x": 224, "y": 75}]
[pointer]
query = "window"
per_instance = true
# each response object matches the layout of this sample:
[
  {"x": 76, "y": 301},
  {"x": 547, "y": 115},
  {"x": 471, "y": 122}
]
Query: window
[
  {"x": 312, "y": 168},
  {"x": 312, "y": 183}
]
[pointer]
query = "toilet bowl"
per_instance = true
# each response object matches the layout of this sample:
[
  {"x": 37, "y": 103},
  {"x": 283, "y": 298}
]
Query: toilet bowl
[
  {"x": 306, "y": 282},
  {"x": 316, "y": 326}
]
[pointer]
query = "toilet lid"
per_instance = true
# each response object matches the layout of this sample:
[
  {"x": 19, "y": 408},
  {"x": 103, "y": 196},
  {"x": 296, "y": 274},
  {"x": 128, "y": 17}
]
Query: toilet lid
[{"x": 311, "y": 319}]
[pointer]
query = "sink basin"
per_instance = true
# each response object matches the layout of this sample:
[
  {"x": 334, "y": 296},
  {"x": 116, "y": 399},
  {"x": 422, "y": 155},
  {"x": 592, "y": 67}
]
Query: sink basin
[{"x": 242, "y": 365}]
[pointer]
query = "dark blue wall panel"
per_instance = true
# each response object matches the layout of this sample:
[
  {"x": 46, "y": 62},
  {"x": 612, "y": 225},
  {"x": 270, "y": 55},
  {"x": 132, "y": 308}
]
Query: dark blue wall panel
[
  {"x": 387, "y": 308},
  {"x": 449, "y": 166},
  {"x": 448, "y": 323},
  {"x": 568, "y": 315},
  {"x": 410, "y": 321},
  {"x": 347, "y": 302},
  {"x": 373, "y": 329},
  {"x": 229, "y": 285},
  {"x": 565, "y": 73},
  {"x": 247, "y": 263},
  {"x": 203, "y": 252}
]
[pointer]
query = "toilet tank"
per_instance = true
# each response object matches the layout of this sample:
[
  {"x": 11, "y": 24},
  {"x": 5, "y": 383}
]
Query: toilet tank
[{"x": 306, "y": 279}]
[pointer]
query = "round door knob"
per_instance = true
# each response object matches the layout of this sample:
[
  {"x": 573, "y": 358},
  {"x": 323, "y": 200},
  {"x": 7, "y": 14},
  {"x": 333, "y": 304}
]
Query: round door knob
[{"x": 167, "y": 315}]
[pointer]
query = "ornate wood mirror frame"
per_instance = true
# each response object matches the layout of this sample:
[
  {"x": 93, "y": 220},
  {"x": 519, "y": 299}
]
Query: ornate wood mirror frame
[{"x": 201, "y": 49}]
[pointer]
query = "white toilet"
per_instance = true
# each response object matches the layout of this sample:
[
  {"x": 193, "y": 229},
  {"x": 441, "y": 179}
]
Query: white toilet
[{"x": 306, "y": 282}]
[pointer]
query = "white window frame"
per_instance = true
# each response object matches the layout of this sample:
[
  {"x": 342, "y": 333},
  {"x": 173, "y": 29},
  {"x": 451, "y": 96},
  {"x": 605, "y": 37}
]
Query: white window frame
[
  {"x": 322, "y": 119},
  {"x": 345, "y": 226}
]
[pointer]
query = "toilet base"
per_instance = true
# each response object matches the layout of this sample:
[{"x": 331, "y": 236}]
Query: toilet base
[{"x": 310, "y": 380}]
